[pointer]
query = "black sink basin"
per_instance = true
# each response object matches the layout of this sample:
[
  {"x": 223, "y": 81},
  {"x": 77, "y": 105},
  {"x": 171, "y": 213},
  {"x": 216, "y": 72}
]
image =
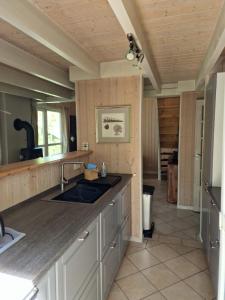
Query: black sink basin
[{"x": 83, "y": 192}]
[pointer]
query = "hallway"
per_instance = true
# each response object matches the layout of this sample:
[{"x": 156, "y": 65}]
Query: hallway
[{"x": 169, "y": 266}]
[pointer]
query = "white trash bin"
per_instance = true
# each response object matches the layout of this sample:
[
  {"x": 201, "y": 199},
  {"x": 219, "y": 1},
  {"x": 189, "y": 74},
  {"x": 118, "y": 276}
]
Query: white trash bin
[{"x": 148, "y": 225}]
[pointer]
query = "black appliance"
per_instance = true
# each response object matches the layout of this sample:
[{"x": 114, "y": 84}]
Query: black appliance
[{"x": 31, "y": 152}]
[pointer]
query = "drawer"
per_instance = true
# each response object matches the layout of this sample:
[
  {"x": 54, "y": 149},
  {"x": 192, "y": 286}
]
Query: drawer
[
  {"x": 77, "y": 263},
  {"x": 92, "y": 290},
  {"x": 108, "y": 225},
  {"x": 125, "y": 236},
  {"x": 109, "y": 267}
]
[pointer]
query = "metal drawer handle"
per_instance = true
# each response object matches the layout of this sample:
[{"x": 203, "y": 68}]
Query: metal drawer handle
[
  {"x": 113, "y": 246},
  {"x": 85, "y": 235},
  {"x": 212, "y": 202},
  {"x": 112, "y": 203},
  {"x": 214, "y": 244}
]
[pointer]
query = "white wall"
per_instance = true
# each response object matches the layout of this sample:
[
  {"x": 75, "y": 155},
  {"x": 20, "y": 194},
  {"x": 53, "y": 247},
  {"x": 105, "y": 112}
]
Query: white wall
[{"x": 11, "y": 140}]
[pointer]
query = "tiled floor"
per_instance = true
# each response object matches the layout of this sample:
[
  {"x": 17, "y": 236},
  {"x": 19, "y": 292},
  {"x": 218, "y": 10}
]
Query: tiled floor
[{"x": 169, "y": 266}]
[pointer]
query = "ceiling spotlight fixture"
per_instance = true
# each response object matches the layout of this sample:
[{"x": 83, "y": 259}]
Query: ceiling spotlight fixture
[{"x": 134, "y": 51}]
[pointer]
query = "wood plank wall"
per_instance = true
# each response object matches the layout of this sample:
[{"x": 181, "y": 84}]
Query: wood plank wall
[
  {"x": 124, "y": 157},
  {"x": 186, "y": 149},
  {"x": 24, "y": 185},
  {"x": 150, "y": 136}
]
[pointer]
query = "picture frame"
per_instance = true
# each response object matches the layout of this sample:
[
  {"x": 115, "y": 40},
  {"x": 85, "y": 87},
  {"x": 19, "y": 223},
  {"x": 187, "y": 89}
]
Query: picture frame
[{"x": 113, "y": 124}]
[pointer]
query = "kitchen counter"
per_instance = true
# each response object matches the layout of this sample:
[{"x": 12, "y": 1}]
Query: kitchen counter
[
  {"x": 21, "y": 166},
  {"x": 50, "y": 227}
]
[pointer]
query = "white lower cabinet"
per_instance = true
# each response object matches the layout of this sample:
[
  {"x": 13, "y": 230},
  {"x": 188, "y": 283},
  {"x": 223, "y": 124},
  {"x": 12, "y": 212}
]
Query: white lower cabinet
[
  {"x": 92, "y": 290},
  {"x": 87, "y": 269},
  {"x": 78, "y": 262},
  {"x": 125, "y": 236},
  {"x": 108, "y": 225},
  {"x": 109, "y": 267},
  {"x": 47, "y": 286}
]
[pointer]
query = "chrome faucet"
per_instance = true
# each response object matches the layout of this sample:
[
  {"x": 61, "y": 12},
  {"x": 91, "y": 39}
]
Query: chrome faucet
[{"x": 63, "y": 179}]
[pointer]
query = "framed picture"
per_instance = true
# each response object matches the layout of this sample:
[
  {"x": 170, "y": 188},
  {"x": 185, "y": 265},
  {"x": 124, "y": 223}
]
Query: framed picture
[{"x": 113, "y": 124}]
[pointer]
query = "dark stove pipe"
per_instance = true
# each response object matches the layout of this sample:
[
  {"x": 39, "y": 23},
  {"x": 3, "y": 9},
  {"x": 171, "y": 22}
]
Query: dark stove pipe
[{"x": 19, "y": 125}]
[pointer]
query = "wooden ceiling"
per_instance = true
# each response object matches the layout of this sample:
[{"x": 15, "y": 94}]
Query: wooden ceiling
[
  {"x": 178, "y": 33},
  {"x": 89, "y": 23}
]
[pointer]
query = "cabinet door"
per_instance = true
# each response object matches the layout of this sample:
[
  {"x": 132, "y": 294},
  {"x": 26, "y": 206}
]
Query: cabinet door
[
  {"x": 77, "y": 263},
  {"x": 125, "y": 203},
  {"x": 109, "y": 267},
  {"x": 214, "y": 238},
  {"x": 125, "y": 236},
  {"x": 93, "y": 289},
  {"x": 47, "y": 286},
  {"x": 108, "y": 225},
  {"x": 205, "y": 220}
]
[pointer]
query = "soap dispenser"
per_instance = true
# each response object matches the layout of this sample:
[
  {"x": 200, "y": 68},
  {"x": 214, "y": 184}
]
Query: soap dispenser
[{"x": 103, "y": 170}]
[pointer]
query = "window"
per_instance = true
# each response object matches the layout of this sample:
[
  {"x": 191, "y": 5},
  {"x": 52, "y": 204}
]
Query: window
[{"x": 50, "y": 131}]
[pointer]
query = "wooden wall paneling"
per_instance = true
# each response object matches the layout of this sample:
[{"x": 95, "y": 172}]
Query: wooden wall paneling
[
  {"x": 186, "y": 149},
  {"x": 124, "y": 157},
  {"x": 18, "y": 187},
  {"x": 150, "y": 136}
]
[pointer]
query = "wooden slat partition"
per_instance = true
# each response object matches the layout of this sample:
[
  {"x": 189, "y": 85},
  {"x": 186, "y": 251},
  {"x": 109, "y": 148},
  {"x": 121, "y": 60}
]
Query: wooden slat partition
[
  {"x": 23, "y": 184},
  {"x": 123, "y": 157},
  {"x": 150, "y": 136},
  {"x": 186, "y": 149}
]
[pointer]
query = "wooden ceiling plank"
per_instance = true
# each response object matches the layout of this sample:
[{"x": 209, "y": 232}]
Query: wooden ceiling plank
[
  {"x": 128, "y": 19},
  {"x": 214, "y": 51},
  {"x": 15, "y": 77},
  {"x": 35, "y": 24},
  {"x": 17, "y": 58}
]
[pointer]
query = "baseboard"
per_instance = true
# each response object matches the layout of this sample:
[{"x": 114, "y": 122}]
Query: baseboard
[
  {"x": 136, "y": 239},
  {"x": 185, "y": 207}
]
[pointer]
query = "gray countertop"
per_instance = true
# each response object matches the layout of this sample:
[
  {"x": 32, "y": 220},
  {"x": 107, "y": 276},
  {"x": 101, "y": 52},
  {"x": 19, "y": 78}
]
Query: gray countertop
[{"x": 50, "y": 227}]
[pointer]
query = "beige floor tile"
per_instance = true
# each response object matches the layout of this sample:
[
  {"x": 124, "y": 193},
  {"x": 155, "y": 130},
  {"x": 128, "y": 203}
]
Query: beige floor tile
[
  {"x": 163, "y": 252},
  {"x": 180, "y": 234},
  {"x": 201, "y": 283},
  {"x": 194, "y": 220},
  {"x": 197, "y": 257},
  {"x": 183, "y": 213},
  {"x": 179, "y": 224},
  {"x": 157, "y": 296},
  {"x": 143, "y": 259},
  {"x": 135, "y": 247},
  {"x": 136, "y": 286},
  {"x": 152, "y": 243},
  {"x": 160, "y": 276},
  {"x": 193, "y": 232},
  {"x": 192, "y": 243},
  {"x": 181, "y": 249},
  {"x": 169, "y": 239},
  {"x": 126, "y": 268},
  {"x": 182, "y": 267},
  {"x": 180, "y": 291},
  {"x": 164, "y": 228},
  {"x": 167, "y": 217},
  {"x": 116, "y": 294}
]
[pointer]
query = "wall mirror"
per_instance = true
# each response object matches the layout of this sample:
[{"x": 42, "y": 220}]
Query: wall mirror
[{"x": 30, "y": 129}]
